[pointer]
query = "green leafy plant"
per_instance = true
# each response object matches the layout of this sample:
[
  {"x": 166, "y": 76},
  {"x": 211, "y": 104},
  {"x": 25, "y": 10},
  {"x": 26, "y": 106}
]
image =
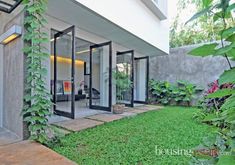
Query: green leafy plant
[
  {"x": 165, "y": 93},
  {"x": 221, "y": 11},
  {"x": 202, "y": 30},
  {"x": 160, "y": 91},
  {"x": 37, "y": 100},
  {"x": 123, "y": 84},
  {"x": 187, "y": 91}
]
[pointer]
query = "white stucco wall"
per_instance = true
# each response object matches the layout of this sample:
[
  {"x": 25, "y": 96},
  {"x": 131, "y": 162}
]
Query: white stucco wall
[{"x": 135, "y": 17}]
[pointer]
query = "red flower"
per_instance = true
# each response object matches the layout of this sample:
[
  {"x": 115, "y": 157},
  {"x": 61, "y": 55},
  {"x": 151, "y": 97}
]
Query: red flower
[{"x": 214, "y": 87}]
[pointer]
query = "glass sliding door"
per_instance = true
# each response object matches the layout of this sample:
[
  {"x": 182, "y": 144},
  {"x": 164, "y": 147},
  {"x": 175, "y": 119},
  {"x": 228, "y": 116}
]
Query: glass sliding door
[
  {"x": 125, "y": 71},
  {"x": 100, "y": 96},
  {"x": 141, "y": 79},
  {"x": 64, "y": 64}
]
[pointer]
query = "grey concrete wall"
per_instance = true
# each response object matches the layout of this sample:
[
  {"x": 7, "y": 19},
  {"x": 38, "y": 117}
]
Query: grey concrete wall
[
  {"x": 178, "y": 65},
  {"x": 1, "y": 73},
  {"x": 13, "y": 80}
]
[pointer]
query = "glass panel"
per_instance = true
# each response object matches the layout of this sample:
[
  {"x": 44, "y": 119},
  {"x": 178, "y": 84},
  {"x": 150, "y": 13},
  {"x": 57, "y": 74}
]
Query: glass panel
[
  {"x": 81, "y": 79},
  {"x": 124, "y": 74},
  {"x": 64, "y": 72},
  {"x": 140, "y": 80},
  {"x": 100, "y": 76}
]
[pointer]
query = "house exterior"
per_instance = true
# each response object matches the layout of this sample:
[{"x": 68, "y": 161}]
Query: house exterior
[{"x": 89, "y": 39}]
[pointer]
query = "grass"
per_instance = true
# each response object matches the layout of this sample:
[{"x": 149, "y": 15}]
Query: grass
[{"x": 133, "y": 140}]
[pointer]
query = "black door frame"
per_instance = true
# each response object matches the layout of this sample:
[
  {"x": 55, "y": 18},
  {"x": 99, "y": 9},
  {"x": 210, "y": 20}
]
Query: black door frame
[
  {"x": 147, "y": 80},
  {"x": 109, "y": 108},
  {"x": 59, "y": 112},
  {"x": 132, "y": 74}
]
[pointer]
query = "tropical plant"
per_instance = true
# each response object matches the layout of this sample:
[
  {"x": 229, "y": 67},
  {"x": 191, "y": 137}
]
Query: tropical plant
[
  {"x": 187, "y": 91},
  {"x": 202, "y": 30},
  {"x": 210, "y": 107},
  {"x": 222, "y": 11},
  {"x": 123, "y": 84},
  {"x": 212, "y": 104},
  {"x": 160, "y": 91},
  {"x": 37, "y": 100},
  {"x": 163, "y": 92}
]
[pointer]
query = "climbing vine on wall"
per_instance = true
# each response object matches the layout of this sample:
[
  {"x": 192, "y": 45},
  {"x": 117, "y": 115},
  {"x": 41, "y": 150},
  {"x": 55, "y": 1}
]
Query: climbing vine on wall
[{"x": 37, "y": 100}]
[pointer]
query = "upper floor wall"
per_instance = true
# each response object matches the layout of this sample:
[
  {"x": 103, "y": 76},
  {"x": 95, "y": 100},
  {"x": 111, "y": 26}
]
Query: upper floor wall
[
  {"x": 158, "y": 7},
  {"x": 135, "y": 17}
]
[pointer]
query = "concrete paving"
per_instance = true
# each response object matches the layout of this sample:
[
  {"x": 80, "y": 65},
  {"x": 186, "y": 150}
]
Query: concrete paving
[
  {"x": 105, "y": 117},
  {"x": 128, "y": 114},
  {"x": 30, "y": 153},
  {"x": 7, "y": 137},
  {"x": 148, "y": 107},
  {"x": 98, "y": 119},
  {"x": 78, "y": 124},
  {"x": 137, "y": 111}
]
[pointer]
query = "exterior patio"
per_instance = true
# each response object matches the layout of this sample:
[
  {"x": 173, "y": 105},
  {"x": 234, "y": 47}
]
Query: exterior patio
[
  {"x": 84, "y": 50},
  {"x": 27, "y": 152},
  {"x": 99, "y": 119},
  {"x": 96, "y": 82}
]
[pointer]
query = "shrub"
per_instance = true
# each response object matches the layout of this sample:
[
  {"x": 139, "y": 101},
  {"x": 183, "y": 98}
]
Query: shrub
[{"x": 166, "y": 93}]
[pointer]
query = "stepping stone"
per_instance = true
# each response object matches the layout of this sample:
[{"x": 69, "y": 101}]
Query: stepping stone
[
  {"x": 148, "y": 108},
  {"x": 78, "y": 124},
  {"x": 30, "y": 153},
  {"x": 138, "y": 111},
  {"x": 128, "y": 114},
  {"x": 106, "y": 117}
]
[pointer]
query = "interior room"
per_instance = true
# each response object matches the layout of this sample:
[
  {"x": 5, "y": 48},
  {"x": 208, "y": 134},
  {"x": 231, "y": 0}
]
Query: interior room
[{"x": 81, "y": 75}]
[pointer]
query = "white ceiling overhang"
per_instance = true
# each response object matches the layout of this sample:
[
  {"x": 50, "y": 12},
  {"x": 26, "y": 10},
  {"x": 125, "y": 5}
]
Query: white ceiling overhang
[{"x": 76, "y": 14}]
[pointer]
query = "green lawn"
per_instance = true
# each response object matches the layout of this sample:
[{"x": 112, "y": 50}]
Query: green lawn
[{"x": 133, "y": 140}]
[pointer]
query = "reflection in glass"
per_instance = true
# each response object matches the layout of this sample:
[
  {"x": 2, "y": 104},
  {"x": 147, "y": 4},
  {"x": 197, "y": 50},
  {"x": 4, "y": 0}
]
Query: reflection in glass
[
  {"x": 124, "y": 78},
  {"x": 140, "y": 80},
  {"x": 100, "y": 76}
]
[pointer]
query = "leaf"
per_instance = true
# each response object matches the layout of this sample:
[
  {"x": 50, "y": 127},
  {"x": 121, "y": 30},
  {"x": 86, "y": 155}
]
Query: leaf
[
  {"x": 230, "y": 103},
  {"x": 217, "y": 16},
  {"x": 200, "y": 13},
  {"x": 230, "y": 8},
  {"x": 227, "y": 77},
  {"x": 221, "y": 93},
  {"x": 205, "y": 50},
  {"x": 226, "y": 33},
  {"x": 224, "y": 50},
  {"x": 226, "y": 160},
  {"x": 231, "y": 38},
  {"x": 231, "y": 53},
  {"x": 206, "y": 3}
]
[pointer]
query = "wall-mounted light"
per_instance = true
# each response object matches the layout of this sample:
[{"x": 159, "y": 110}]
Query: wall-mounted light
[{"x": 14, "y": 32}]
